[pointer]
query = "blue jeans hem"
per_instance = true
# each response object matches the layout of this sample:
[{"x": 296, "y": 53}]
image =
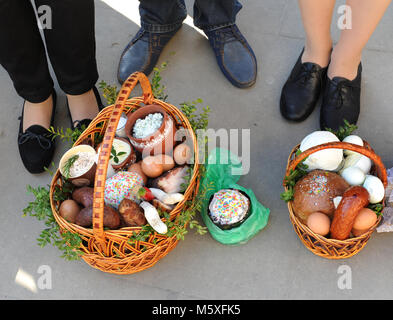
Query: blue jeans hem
[
  {"x": 161, "y": 28},
  {"x": 216, "y": 27}
]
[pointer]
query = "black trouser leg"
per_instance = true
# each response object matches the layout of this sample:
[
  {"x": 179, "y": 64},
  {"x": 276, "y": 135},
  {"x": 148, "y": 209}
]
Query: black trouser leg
[
  {"x": 22, "y": 52},
  {"x": 71, "y": 44}
]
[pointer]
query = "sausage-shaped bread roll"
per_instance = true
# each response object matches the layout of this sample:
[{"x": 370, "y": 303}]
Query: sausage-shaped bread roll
[{"x": 354, "y": 199}]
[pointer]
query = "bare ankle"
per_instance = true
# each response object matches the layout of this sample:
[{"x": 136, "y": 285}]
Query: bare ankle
[
  {"x": 344, "y": 65},
  {"x": 37, "y": 113},
  {"x": 319, "y": 54},
  {"x": 83, "y": 106}
]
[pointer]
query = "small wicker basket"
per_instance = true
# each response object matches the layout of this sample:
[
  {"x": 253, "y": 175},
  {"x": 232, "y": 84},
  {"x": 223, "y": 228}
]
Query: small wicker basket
[
  {"x": 319, "y": 245},
  {"x": 109, "y": 250}
]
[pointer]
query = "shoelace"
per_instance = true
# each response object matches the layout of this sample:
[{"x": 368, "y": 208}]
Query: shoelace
[
  {"x": 44, "y": 142},
  {"x": 306, "y": 74},
  {"x": 338, "y": 93},
  {"x": 228, "y": 34}
]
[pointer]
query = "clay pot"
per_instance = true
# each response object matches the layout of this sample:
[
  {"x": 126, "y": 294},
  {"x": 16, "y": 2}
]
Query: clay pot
[
  {"x": 160, "y": 142},
  {"x": 87, "y": 178},
  {"x": 126, "y": 162}
]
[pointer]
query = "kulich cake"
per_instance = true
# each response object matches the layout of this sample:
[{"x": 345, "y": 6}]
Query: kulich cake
[
  {"x": 229, "y": 208},
  {"x": 122, "y": 185}
]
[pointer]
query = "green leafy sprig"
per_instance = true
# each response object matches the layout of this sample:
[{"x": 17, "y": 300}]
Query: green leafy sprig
[
  {"x": 68, "y": 135},
  {"x": 157, "y": 88},
  {"x": 198, "y": 121},
  {"x": 68, "y": 165},
  {"x": 109, "y": 92},
  {"x": 115, "y": 156},
  {"x": 377, "y": 208},
  {"x": 40, "y": 208},
  {"x": 344, "y": 131},
  {"x": 292, "y": 178}
]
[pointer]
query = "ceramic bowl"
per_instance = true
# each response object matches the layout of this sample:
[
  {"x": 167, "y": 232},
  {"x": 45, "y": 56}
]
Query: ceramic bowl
[
  {"x": 160, "y": 142},
  {"x": 87, "y": 178}
]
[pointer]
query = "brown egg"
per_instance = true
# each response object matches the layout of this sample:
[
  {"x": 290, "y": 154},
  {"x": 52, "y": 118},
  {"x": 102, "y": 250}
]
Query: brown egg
[
  {"x": 137, "y": 168},
  {"x": 152, "y": 167},
  {"x": 319, "y": 223},
  {"x": 365, "y": 219},
  {"x": 167, "y": 161},
  {"x": 69, "y": 209},
  {"x": 182, "y": 154}
]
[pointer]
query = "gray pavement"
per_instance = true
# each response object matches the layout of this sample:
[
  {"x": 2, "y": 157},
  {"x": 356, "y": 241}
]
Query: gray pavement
[{"x": 274, "y": 264}]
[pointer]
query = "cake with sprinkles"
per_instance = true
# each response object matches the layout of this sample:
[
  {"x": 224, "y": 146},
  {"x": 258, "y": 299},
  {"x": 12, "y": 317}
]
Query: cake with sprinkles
[
  {"x": 229, "y": 208},
  {"x": 122, "y": 185}
]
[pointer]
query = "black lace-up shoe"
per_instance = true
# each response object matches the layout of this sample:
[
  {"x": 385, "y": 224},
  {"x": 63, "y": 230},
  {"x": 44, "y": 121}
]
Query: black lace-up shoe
[
  {"x": 341, "y": 101},
  {"x": 301, "y": 91},
  {"x": 36, "y": 146}
]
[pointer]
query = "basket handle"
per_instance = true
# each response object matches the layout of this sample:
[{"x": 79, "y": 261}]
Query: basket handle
[
  {"x": 103, "y": 159},
  {"x": 368, "y": 152}
]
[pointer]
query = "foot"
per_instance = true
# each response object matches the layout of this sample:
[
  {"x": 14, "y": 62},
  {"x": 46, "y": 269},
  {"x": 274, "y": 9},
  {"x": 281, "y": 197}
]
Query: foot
[
  {"x": 142, "y": 53},
  {"x": 234, "y": 56},
  {"x": 35, "y": 143},
  {"x": 301, "y": 91},
  {"x": 344, "y": 64},
  {"x": 84, "y": 108},
  {"x": 37, "y": 113},
  {"x": 341, "y": 101}
]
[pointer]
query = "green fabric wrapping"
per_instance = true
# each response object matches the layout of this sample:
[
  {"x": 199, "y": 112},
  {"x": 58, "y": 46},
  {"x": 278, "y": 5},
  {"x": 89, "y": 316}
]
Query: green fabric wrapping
[{"x": 223, "y": 171}]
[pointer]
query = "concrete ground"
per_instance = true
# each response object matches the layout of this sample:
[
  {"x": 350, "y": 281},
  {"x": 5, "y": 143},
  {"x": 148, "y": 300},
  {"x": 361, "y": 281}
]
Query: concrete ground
[{"x": 274, "y": 264}]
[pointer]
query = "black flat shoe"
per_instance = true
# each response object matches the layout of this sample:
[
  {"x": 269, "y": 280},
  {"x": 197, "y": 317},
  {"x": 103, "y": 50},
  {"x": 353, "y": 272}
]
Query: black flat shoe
[
  {"x": 83, "y": 124},
  {"x": 36, "y": 146},
  {"x": 301, "y": 91},
  {"x": 341, "y": 101}
]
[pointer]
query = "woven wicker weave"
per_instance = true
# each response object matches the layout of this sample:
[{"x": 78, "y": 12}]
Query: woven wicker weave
[
  {"x": 319, "y": 245},
  {"x": 109, "y": 250}
]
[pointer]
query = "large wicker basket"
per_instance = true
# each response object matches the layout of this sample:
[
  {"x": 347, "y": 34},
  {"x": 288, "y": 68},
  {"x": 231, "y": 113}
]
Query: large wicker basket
[
  {"x": 110, "y": 250},
  {"x": 319, "y": 245}
]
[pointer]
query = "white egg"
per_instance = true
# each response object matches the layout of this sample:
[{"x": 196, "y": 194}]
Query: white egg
[
  {"x": 328, "y": 159},
  {"x": 375, "y": 188},
  {"x": 359, "y": 161},
  {"x": 354, "y": 140},
  {"x": 354, "y": 176},
  {"x": 364, "y": 163}
]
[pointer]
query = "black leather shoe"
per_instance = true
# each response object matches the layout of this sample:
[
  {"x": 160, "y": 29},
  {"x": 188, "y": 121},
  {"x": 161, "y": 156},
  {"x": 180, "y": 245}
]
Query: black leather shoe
[
  {"x": 341, "y": 101},
  {"x": 36, "y": 146},
  {"x": 142, "y": 53},
  {"x": 234, "y": 55},
  {"x": 80, "y": 124},
  {"x": 301, "y": 92}
]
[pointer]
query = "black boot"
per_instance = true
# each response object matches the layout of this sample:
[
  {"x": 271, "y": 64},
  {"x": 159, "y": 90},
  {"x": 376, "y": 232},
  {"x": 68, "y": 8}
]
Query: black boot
[
  {"x": 341, "y": 101},
  {"x": 301, "y": 92}
]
